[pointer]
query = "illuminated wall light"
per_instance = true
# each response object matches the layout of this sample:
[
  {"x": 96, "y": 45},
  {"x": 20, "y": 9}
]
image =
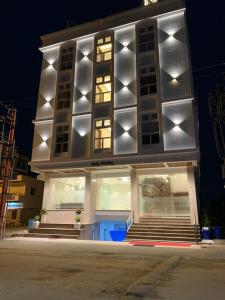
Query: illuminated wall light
[
  {"x": 48, "y": 98},
  {"x": 126, "y": 134},
  {"x": 51, "y": 61},
  {"x": 177, "y": 128},
  {"x": 82, "y": 132}
]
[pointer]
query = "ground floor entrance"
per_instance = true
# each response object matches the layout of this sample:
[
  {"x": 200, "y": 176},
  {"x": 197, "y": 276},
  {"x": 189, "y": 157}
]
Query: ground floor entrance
[{"x": 110, "y": 197}]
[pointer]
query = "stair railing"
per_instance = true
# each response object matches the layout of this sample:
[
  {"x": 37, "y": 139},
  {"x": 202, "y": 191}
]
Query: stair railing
[{"x": 130, "y": 221}]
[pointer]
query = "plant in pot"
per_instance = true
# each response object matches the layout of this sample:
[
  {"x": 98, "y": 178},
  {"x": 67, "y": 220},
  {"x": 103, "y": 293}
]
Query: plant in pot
[
  {"x": 36, "y": 222},
  {"x": 43, "y": 213},
  {"x": 77, "y": 219}
]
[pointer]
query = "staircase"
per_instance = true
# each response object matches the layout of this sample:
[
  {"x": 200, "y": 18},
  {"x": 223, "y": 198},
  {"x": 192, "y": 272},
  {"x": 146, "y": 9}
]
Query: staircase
[
  {"x": 164, "y": 229},
  {"x": 57, "y": 231}
]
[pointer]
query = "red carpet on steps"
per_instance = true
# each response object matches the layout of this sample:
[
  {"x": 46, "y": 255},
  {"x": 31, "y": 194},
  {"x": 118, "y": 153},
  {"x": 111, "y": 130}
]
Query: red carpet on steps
[{"x": 166, "y": 244}]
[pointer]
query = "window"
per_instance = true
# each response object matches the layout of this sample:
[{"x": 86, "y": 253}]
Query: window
[
  {"x": 67, "y": 59},
  {"x": 62, "y": 139},
  {"x": 14, "y": 214},
  {"x": 148, "y": 80},
  {"x": 147, "y": 2},
  {"x": 102, "y": 134},
  {"x": 64, "y": 96},
  {"x": 103, "y": 89},
  {"x": 32, "y": 191},
  {"x": 104, "y": 49},
  {"x": 150, "y": 128},
  {"x": 146, "y": 39}
]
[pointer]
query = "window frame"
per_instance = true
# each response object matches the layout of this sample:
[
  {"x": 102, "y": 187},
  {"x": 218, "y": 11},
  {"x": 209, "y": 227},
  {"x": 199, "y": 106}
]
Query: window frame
[
  {"x": 150, "y": 134},
  {"x": 102, "y": 56},
  {"x": 100, "y": 81},
  {"x": 102, "y": 139},
  {"x": 64, "y": 144}
]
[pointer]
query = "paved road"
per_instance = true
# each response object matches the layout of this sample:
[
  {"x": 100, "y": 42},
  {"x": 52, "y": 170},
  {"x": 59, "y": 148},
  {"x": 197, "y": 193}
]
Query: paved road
[{"x": 65, "y": 270}]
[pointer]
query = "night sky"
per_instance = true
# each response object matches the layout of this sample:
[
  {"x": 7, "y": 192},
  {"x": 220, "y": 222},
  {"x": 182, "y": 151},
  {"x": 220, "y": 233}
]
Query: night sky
[{"x": 23, "y": 22}]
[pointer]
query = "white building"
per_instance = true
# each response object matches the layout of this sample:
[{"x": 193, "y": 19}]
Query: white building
[{"x": 116, "y": 128}]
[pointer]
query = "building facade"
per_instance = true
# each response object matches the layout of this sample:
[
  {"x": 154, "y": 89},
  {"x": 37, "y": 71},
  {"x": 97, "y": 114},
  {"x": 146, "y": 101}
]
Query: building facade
[
  {"x": 25, "y": 199},
  {"x": 116, "y": 123}
]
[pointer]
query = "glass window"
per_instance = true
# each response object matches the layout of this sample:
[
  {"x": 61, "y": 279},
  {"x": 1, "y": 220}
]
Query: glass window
[
  {"x": 62, "y": 139},
  {"x": 113, "y": 193},
  {"x": 146, "y": 39},
  {"x": 104, "y": 50},
  {"x": 148, "y": 80},
  {"x": 102, "y": 134},
  {"x": 150, "y": 128},
  {"x": 103, "y": 89},
  {"x": 67, "y": 56},
  {"x": 164, "y": 195},
  {"x": 64, "y": 95},
  {"x": 66, "y": 193}
]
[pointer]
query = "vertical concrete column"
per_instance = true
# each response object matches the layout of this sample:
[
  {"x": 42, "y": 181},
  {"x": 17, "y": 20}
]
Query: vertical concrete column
[
  {"x": 45, "y": 199},
  {"x": 88, "y": 216},
  {"x": 192, "y": 196},
  {"x": 135, "y": 205}
]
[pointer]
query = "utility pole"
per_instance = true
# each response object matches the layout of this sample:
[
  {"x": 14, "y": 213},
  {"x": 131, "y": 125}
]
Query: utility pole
[{"x": 7, "y": 154}]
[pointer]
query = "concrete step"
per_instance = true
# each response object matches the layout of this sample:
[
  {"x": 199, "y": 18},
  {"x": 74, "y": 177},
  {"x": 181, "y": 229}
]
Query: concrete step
[
  {"x": 153, "y": 225},
  {"x": 162, "y": 222},
  {"x": 48, "y": 236},
  {"x": 55, "y": 231},
  {"x": 50, "y": 225},
  {"x": 160, "y": 238},
  {"x": 164, "y": 234}
]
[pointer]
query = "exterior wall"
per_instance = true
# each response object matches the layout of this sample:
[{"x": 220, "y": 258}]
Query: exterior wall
[
  {"x": 20, "y": 189},
  {"x": 172, "y": 102}
]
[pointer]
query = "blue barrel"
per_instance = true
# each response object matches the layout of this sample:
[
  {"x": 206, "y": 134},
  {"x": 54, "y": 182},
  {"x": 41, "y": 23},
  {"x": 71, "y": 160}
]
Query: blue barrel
[
  {"x": 118, "y": 236},
  {"x": 217, "y": 232},
  {"x": 31, "y": 223},
  {"x": 205, "y": 233}
]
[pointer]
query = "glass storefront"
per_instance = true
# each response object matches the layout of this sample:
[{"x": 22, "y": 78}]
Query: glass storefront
[
  {"x": 112, "y": 193},
  {"x": 66, "y": 193},
  {"x": 164, "y": 195}
]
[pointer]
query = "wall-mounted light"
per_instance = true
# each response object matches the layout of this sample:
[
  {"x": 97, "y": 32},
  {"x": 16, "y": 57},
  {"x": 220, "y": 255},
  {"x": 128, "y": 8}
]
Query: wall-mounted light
[
  {"x": 82, "y": 132},
  {"x": 48, "y": 98},
  {"x": 126, "y": 134}
]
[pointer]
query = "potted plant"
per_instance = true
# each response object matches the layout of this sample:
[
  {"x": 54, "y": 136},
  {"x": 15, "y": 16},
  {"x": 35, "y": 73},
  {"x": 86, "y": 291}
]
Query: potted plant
[
  {"x": 43, "y": 213},
  {"x": 77, "y": 219},
  {"x": 36, "y": 222}
]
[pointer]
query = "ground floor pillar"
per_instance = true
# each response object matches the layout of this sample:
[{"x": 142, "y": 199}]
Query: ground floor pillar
[
  {"x": 88, "y": 216},
  {"x": 135, "y": 203},
  {"x": 192, "y": 196}
]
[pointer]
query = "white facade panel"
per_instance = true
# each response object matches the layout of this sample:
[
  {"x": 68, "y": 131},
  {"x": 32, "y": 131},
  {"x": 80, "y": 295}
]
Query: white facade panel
[
  {"x": 125, "y": 67},
  {"x": 178, "y": 125},
  {"x": 83, "y": 76},
  {"x": 81, "y": 135},
  {"x": 42, "y": 141},
  {"x": 173, "y": 58},
  {"x": 125, "y": 131},
  {"x": 47, "y": 89}
]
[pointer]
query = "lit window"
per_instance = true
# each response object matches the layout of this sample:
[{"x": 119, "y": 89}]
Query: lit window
[
  {"x": 104, "y": 50},
  {"x": 62, "y": 139},
  {"x": 102, "y": 134},
  {"x": 147, "y": 2},
  {"x": 100, "y": 41},
  {"x": 103, "y": 89}
]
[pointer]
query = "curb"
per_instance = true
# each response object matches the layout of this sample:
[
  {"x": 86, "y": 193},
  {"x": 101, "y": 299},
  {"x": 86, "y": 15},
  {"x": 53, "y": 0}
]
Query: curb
[{"x": 143, "y": 286}]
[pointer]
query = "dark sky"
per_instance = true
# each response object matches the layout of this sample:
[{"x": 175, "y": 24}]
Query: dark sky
[{"x": 23, "y": 22}]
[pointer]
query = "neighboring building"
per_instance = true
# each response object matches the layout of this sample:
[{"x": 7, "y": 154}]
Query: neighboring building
[
  {"x": 25, "y": 199},
  {"x": 116, "y": 128}
]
